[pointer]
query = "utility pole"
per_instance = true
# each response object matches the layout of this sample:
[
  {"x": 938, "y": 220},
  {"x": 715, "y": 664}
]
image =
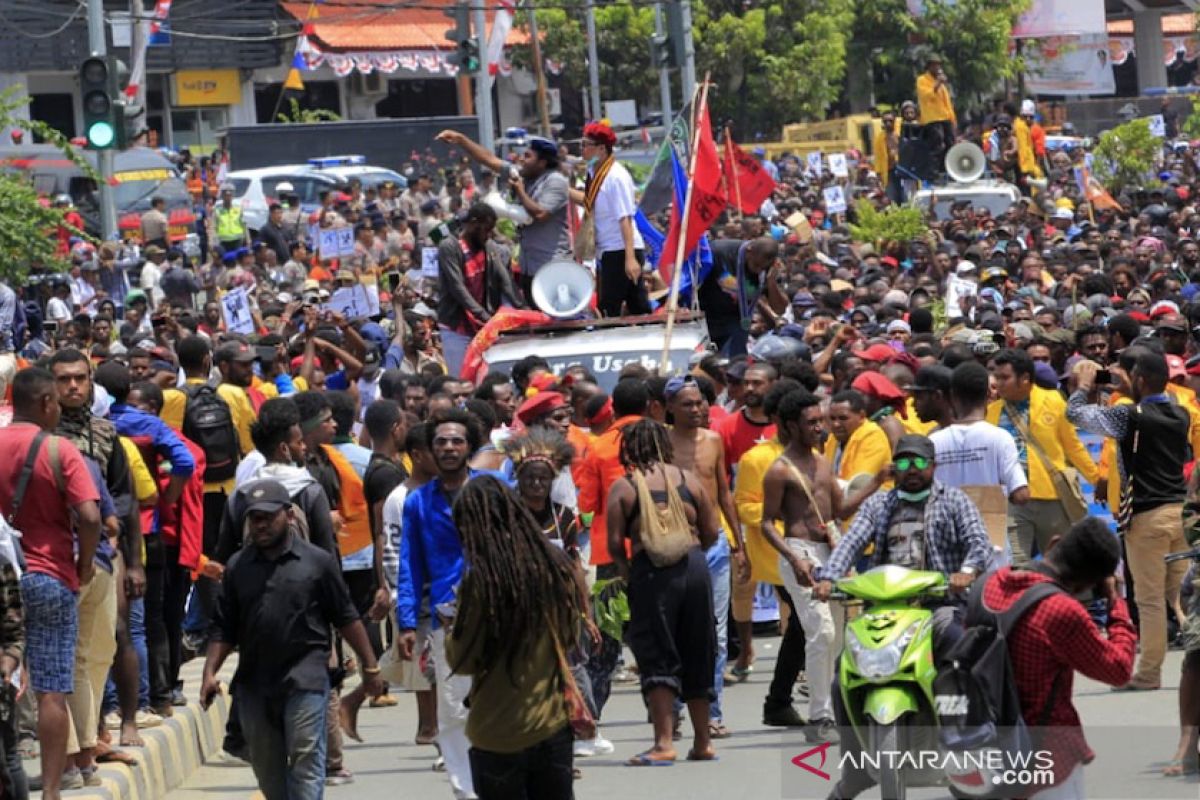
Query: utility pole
[
  {"x": 483, "y": 91},
  {"x": 593, "y": 62},
  {"x": 137, "y": 35},
  {"x": 664, "y": 74},
  {"x": 539, "y": 70},
  {"x": 98, "y": 44},
  {"x": 688, "y": 68}
]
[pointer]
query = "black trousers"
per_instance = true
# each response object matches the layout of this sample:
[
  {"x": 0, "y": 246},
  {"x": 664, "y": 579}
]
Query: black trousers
[
  {"x": 791, "y": 658},
  {"x": 167, "y": 585},
  {"x": 615, "y": 288},
  {"x": 207, "y": 590},
  {"x": 540, "y": 772}
]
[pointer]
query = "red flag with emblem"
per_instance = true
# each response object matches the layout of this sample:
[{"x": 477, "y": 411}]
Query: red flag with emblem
[
  {"x": 750, "y": 184},
  {"x": 708, "y": 191}
]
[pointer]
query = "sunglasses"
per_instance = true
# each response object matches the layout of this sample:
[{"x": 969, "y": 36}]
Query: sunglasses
[{"x": 908, "y": 462}]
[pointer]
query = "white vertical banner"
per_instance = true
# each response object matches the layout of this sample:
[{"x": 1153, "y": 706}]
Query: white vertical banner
[{"x": 501, "y": 25}]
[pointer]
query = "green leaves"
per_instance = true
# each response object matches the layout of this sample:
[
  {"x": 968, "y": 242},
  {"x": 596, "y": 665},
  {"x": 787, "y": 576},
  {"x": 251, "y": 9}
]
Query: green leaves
[
  {"x": 27, "y": 228},
  {"x": 1125, "y": 156},
  {"x": 893, "y": 224},
  {"x": 297, "y": 115},
  {"x": 611, "y": 607}
]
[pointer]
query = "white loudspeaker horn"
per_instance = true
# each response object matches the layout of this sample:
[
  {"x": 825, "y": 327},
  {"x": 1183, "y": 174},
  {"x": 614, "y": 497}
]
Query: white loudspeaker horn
[
  {"x": 965, "y": 162},
  {"x": 1041, "y": 184},
  {"x": 562, "y": 288},
  {"x": 504, "y": 210}
]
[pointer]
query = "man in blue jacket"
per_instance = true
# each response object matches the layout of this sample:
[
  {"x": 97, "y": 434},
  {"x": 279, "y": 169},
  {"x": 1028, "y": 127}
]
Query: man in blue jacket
[{"x": 431, "y": 555}]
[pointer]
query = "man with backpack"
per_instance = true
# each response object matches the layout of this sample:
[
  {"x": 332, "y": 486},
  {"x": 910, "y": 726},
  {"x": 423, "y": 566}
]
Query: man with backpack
[
  {"x": 217, "y": 418},
  {"x": 1057, "y": 637}
]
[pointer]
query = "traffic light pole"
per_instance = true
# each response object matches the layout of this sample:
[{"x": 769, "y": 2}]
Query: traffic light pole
[
  {"x": 688, "y": 68},
  {"x": 99, "y": 47},
  {"x": 664, "y": 75},
  {"x": 593, "y": 62},
  {"x": 483, "y": 91}
]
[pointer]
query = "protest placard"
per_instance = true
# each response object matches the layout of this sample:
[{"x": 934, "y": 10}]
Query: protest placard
[{"x": 235, "y": 307}]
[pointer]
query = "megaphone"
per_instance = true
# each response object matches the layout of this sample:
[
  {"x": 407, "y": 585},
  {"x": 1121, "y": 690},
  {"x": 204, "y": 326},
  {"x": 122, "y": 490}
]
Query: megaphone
[
  {"x": 562, "y": 288},
  {"x": 505, "y": 210},
  {"x": 965, "y": 162}
]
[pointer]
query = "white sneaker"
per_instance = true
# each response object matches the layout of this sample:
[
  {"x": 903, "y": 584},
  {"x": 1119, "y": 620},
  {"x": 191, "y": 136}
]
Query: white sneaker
[
  {"x": 148, "y": 719},
  {"x": 112, "y": 721},
  {"x": 584, "y": 748},
  {"x": 602, "y": 746}
]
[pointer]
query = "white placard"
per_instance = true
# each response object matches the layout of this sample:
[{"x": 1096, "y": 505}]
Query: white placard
[
  {"x": 353, "y": 302},
  {"x": 837, "y": 165},
  {"x": 621, "y": 113},
  {"x": 345, "y": 241},
  {"x": 235, "y": 306},
  {"x": 814, "y": 163},
  {"x": 429, "y": 262},
  {"x": 327, "y": 244},
  {"x": 1158, "y": 126},
  {"x": 835, "y": 200}
]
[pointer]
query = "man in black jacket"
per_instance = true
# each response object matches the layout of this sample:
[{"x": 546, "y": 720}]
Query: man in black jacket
[
  {"x": 742, "y": 274},
  {"x": 272, "y": 233},
  {"x": 474, "y": 281}
]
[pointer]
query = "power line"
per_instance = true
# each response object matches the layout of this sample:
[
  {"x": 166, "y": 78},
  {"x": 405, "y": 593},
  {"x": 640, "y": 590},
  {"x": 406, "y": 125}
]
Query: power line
[{"x": 70, "y": 19}]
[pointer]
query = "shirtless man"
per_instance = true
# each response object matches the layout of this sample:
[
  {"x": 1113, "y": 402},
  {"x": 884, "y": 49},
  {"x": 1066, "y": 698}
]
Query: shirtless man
[
  {"x": 799, "y": 478},
  {"x": 701, "y": 451}
]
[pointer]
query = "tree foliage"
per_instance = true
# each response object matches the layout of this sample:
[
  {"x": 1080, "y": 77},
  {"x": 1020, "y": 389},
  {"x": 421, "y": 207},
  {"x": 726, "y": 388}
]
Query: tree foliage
[
  {"x": 26, "y": 226},
  {"x": 296, "y": 115},
  {"x": 972, "y": 36},
  {"x": 1125, "y": 156}
]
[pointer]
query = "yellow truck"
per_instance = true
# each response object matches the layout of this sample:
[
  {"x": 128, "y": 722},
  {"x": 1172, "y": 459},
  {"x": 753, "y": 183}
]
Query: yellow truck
[{"x": 856, "y": 131}]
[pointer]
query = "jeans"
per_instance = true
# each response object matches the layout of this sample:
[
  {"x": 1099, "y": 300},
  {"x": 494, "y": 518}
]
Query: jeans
[
  {"x": 286, "y": 735},
  {"x": 137, "y": 632},
  {"x": 540, "y": 772},
  {"x": 454, "y": 349}
]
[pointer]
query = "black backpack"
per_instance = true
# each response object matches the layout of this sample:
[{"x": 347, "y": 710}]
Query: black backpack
[
  {"x": 975, "y": 692},
  {"x": 208, "y": 422}
]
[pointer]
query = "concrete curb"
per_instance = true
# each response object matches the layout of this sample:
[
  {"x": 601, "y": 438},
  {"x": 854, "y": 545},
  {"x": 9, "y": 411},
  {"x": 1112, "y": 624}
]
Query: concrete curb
[{"x": 173, "y": 752}]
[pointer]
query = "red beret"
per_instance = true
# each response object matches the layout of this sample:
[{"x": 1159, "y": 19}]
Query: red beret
[
  {"x": 879, "y": 353},
  {"x": 876, "y": 385},
  {"x": 599, "y": 132},
  {"x": 539, "y": 406}
]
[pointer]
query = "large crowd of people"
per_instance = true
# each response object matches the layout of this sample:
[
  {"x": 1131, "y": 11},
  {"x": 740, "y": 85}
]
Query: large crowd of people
[{"x": 227, "y": 456}]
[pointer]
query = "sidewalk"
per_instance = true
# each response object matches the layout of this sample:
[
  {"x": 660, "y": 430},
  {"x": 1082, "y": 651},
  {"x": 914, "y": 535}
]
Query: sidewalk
[{"x": 174, "y": 751}]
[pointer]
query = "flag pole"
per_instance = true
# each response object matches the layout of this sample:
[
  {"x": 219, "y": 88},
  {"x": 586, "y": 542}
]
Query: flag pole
[
  {"x": 677, "y": 271},
  {"x": 737, "y": 186}
]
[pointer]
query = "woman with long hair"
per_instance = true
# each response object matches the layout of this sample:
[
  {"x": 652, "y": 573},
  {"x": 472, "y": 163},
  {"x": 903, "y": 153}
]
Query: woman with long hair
[
  {"x": 671, "y": 627},
  {"x": 518, "y": 613}
]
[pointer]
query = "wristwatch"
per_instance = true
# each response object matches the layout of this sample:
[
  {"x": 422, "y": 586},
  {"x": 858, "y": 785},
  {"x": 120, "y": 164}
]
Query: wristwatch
[{"x": 968, "y": 570}]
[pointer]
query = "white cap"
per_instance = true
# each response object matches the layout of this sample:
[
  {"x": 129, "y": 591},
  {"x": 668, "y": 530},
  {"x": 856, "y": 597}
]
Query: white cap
[
  {"x": 1028, "y": 109},
  {"x": 1064, "y": 213},
  {"x": 965, "y": 266},
  {"x": 284, "y": 187}
]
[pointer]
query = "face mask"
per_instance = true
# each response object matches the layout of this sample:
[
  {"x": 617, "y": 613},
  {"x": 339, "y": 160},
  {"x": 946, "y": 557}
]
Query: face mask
[
  {"x": 592, "y": 162},
  {"x": 912, "y": 497}
]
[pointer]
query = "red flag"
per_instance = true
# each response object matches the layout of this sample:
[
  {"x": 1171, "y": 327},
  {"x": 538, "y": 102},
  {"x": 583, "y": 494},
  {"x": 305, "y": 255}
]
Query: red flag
[
  {"x": 749, "y": 184},
  {"x": 708, "y": 192}
]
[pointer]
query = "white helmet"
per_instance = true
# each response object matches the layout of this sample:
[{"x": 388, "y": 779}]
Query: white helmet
[{"x": 62, "y": 200}]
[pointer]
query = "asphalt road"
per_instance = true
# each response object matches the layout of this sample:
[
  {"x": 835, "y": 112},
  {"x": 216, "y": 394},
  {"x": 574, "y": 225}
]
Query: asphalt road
[{"x": 1133, "y": 735}]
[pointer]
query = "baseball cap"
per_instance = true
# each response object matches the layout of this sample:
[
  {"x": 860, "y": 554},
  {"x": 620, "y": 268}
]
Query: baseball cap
[
  {"x": 933, "y": 378},
  {"x": 267, "y": 495},
  {"x": 913, "y": 444},
  {"x": 878, "y": 353},
  {"x": 235, "y": 351}
]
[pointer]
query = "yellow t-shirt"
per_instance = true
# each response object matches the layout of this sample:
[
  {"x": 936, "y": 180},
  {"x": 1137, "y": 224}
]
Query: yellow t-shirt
[
  {"x": 175, "y": 401},
  {"x": 145, "y": 488}
]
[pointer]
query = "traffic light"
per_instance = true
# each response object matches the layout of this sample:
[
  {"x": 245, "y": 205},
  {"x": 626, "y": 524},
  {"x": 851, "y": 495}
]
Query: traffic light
[
  {"x": 103, "y": 118},
  {"x": 661, "y": 51},
  {"x": 466, "y": 55}
]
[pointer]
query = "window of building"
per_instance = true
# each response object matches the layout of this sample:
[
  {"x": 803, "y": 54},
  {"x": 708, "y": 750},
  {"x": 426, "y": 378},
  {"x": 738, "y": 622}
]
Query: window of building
[{"x": 433, "y": 97}]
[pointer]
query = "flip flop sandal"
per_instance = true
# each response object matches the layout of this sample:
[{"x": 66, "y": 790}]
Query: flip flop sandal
[
  {"x": 647, "y": 759},
  {"x": 1177, "y": 768},
  {"x": 717, "y": 730},
  {"x": 741, "y": 674},
  {"x": 693, "y": 756},
  {"x": 117, "y": 757}
]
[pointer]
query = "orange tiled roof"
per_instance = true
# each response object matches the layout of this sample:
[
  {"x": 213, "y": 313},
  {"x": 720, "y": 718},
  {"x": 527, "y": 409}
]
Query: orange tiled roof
[
  {"x": 1172, "y": 25},
  {"x": 356, "y": 25}
]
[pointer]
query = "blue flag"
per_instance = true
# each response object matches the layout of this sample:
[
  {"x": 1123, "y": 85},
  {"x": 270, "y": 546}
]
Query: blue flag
[{"x": 697, "y": 264}]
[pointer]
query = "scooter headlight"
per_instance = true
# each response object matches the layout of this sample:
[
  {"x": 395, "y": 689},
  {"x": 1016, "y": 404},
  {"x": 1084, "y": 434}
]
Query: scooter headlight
[{"x": 875, "y": 663}]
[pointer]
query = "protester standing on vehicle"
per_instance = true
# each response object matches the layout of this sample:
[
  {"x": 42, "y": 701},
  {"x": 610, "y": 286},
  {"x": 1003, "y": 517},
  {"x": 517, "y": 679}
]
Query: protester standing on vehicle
[
  {"x": 517, "y": 614},
  {"x": 610, "y": 204},
  {"x": 282, "y": 679},
  {"x": 1152, "y": 438},
  {"x": 937, "y": 110},
  {"x": 541, "y": 190},
  {"x": 474, "y": 280}
]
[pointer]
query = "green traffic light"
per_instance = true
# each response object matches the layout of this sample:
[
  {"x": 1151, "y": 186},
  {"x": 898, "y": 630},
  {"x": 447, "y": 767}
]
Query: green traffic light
[{"x": 101, "y": 134}]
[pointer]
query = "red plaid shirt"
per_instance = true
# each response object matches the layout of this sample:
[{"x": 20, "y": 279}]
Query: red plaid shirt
[{"x": 1054, "y": 639}]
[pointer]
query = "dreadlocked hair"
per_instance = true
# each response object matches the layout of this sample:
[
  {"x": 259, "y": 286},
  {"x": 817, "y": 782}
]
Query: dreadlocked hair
[
  {"x": 540, "y": 443},
  {"x": 645, "y": 444},
  {"x": 516, "y": 581}
]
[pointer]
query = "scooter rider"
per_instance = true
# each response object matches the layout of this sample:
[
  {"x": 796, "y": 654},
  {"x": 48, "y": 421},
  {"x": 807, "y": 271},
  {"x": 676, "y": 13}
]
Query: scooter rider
[{"x": 920, "y": 524}]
